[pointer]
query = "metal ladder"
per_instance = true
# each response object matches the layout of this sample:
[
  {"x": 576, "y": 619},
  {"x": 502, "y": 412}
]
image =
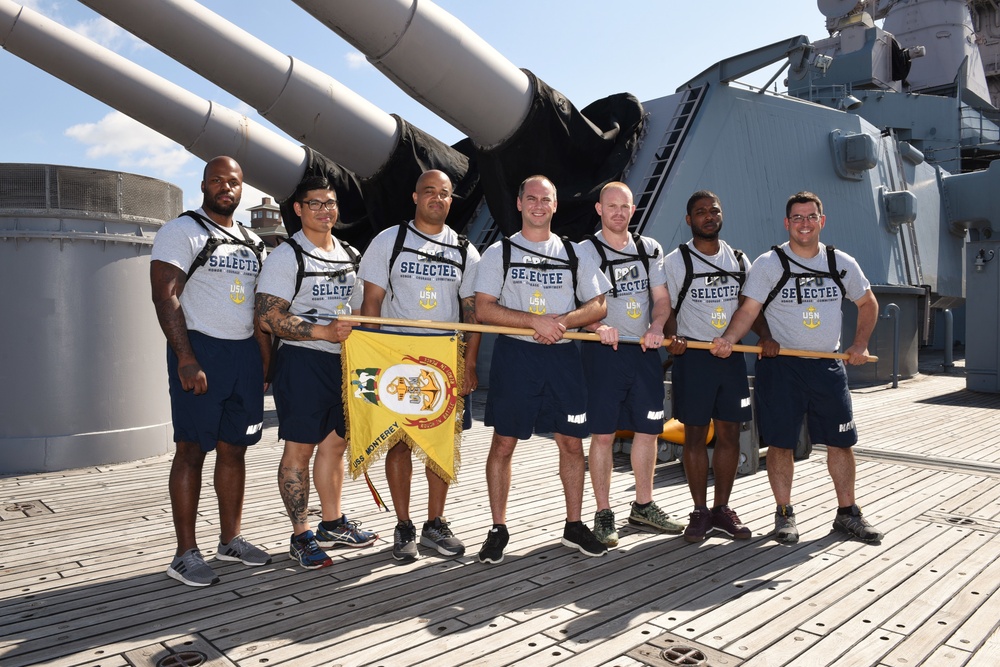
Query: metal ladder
[{"x": 666, "y": 154}]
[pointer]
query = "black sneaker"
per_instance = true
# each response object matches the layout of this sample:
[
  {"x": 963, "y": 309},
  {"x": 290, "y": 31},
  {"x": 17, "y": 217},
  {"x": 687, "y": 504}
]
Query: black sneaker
[
  {"x": 576, "y": 535},
  {"x": 496, "y": 542},
  {"x": 724, "y": 519},
  {"x": 785, "y": 529},
  {"x": 855, "y": 525},
  {"x": 404, "y": 542},
  {"x": 699, "y": 523}
]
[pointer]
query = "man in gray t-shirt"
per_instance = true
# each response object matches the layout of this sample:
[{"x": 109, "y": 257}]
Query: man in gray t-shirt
[
  {"x": 800, "y": 286},
  {"x": 704, "y": 277},
  {"x": 422, "y": 270},
  {"x": 203, "y": 274},
  {"x": 533, "y": 280},
  {"x": 625, "y": 382},
  {"x": 307, "y": 291}
]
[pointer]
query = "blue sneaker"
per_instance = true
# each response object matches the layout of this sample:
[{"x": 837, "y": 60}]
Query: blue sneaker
[
  {"x": 347, "y": 534},
  {"x": 304, "y": 549}
]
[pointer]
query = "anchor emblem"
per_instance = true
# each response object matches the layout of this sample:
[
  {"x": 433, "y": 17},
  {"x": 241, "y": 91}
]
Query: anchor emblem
[
  {"x": 237, "y": 292},
  {"x": 428, "y": 298},
  {"x": 536, "y": 304},
  {"x": 632, "y": 309},
  {"x": 719, "y": 319},
  {"x": 810, "y": 318}
]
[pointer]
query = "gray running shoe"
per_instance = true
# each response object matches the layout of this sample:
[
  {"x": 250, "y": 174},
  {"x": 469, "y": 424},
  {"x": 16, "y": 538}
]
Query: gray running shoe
[
  {"x": 576, "y": 535},
  {"x": 655, "y": 518},
  {"x": 191, "y": 569},
  {"x": 404, "y": 542},
  {"x": 347, "y": 534},
  {"x": 239, "y": 549},
  {"x": 493, "y": 547},
  {"x": 437, "y": 535},
  {"x": 784, "y": 525},
  {"x": 604, "y": 528},
  {"x": 855, "y": 525}
]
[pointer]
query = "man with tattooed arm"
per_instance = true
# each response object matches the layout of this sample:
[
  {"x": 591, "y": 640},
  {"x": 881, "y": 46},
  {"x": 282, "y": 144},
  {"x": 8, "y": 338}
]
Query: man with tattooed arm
[{"x": 305, "y": 283}]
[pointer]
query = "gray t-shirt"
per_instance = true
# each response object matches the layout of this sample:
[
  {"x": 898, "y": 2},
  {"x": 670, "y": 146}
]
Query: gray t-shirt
[
  {"x": 540, "y": 291},
  {"x": 711, "y": 300},
  {"x": 419, "y": 286},
  {"x": 218, "y": 297},
  {"x": 630, "y": 310},
  {"x": 320, "y": 297},
  {"x": 815, "y": 323}
]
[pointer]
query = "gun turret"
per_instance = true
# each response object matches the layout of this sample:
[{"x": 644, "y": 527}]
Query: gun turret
[
  {"x": 519, "y": 125},
  {"x": 372, "y": 158}
]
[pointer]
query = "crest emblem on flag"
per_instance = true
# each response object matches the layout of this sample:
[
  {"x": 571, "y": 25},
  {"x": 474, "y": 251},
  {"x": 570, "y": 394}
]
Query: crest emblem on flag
[
  {"x": 403, "y": 389},
  {"x": 366, "y": 384}
]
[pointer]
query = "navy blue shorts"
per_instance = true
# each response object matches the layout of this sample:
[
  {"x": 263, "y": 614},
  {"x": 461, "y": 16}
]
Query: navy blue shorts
[
  {"x": 706, "y": 387},
  {"x": 232, "y": 410},
  {"x": 788, "y": 388},
  {"x": 467, "y": 415},
  {"x": 624, "y": 388},
  {"x": 536, "y": 388},
  {"x": 308, "y": 394}
]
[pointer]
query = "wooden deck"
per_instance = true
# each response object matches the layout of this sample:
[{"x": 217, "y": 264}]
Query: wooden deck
[{"x": 83, "y": 553}]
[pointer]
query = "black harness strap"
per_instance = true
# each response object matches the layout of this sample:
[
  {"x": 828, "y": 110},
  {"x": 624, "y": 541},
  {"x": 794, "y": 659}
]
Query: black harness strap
[
  {"x": 215, "y": 241},
  {"x": 808, "y": 274},
  {"x": 559, "y": 264},
  {"x": 623, "y": 258},
  {"x": 689, "y": 274},
  {"x": 400, "y": 245},
  {"x": 352, "y": 264}
]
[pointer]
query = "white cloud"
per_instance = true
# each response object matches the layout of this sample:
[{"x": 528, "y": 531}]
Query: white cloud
[
  {"x": 355, "y": 60},
  {"x": 131, "y": 145},
  {"x": 105, "y": 33}
]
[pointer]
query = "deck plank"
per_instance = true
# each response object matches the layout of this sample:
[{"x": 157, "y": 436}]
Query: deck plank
[{"x": 927, "y": 476}]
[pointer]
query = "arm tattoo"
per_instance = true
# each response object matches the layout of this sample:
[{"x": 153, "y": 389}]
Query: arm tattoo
[
  {"x": 469, "y": 310},
  {"x": 274, "y": 312},
  {"x": 167, "y": 286}
]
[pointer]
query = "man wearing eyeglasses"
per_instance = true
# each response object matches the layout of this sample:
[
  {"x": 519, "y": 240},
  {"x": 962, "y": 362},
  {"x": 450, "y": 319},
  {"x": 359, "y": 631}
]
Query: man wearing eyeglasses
[
  {"x": 800, "y": 286},
  {"x": 423, "y": 270},
  {"x": 308, "y": 289}
]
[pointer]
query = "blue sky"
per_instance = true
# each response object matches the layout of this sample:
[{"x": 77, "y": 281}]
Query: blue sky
[{"x": 586, "y": 49}]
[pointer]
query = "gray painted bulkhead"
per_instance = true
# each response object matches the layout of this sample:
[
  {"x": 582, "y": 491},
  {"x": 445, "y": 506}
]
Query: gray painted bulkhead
[
  {"x": 754, "y": 150},
  {"x": 84, "y": 360}
]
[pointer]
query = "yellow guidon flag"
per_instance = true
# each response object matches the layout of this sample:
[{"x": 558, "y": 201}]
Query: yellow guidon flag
[{"x": 401, "y": 387}]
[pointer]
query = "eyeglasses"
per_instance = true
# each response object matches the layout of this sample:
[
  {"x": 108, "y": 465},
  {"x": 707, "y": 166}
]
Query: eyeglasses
[
  {"x": 315, "y": 204},
  {"x": 812, "y": 217}
]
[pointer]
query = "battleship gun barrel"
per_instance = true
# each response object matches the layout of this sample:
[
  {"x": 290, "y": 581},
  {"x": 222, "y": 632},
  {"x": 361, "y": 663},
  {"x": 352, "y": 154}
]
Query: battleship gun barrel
[
  {"x": 518, "y": 124},
  {"x": 437, "y": 60},
  {"x": 206, "y": 129},
  {"x": 309, "y": 105}
]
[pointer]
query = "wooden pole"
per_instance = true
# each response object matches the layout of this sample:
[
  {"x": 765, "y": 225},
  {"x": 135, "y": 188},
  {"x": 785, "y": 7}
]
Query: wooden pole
[{"x": 574, "y": 335}]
